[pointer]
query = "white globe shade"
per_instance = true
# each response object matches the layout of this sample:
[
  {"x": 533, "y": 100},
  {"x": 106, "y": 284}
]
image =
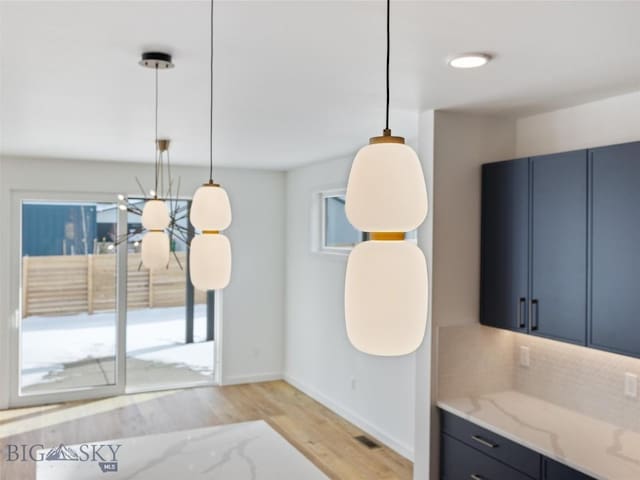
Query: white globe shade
[
  {"x": 386, "y": 190},
  {"x": 210, "y": 208},
  {"x": 386, "y": 297},
  {"x": 155, "y": 215},
  {"x": 210, "y": 261},
  {"x": 155, "y": 250}
]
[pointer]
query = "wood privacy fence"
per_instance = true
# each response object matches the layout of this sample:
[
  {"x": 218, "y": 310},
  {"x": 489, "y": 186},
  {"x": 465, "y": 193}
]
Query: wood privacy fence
[{"x": 69, "y": 284}]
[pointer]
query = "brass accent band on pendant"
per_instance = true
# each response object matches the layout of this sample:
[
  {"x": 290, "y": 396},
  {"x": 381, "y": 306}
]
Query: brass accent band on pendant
[
  {"x": 157, "y": 230},
  {"x": 210, "y": 232},
  {"x": 386, "y": 236}
]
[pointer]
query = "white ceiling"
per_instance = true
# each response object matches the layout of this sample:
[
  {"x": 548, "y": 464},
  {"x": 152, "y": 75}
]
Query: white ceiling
[{"x": 295, "y": 81}]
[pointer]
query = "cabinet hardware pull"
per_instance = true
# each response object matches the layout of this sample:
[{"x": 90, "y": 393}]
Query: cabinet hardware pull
[
  {"x": 475, "y": 476},
  {"x": 522, "y": 302},
  {"x": 484, "y": 442},
  {"x": 534, "y": 315}
]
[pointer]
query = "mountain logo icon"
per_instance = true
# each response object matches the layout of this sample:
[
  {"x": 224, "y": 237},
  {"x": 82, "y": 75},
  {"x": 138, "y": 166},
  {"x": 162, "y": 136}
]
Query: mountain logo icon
[{"x": 62, "y": 453}]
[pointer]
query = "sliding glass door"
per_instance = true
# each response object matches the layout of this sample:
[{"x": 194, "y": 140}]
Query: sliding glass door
[
  {"x": 69, "y": 328},
  {"x": 169, "y": 324},
  {"x": 91, "y": 320}
]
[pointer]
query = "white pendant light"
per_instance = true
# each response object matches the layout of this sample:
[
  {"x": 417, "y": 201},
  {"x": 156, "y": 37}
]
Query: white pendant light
[
  {"x": 386, "y": 285},
  {"x": 155, "y": 215},
  {"x": 386, "y": 190},
  {"x": 210, "y": 209},
  {"x": 155, "y": 243},
  {"x": 212, "y": 268},
  {"x": 385, "y": 301},
  {"x": 210, "y": 251},
  {"x": 156, "y": 248}
]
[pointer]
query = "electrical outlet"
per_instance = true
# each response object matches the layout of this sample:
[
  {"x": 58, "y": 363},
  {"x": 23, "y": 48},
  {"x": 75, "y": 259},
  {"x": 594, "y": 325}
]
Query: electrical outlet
[
  {"x": 631, "y": 385},
  {"x": 525, "y": 357}
]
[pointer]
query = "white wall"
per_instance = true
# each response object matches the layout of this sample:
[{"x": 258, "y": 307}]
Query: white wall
[
  {"x": 425, "y": 358},
  {"x": 253, "y": 304},
  {"x": 319, "y": 358},
  {"x": 604, "y": 122},
  {"x": 460, "y": 143}
]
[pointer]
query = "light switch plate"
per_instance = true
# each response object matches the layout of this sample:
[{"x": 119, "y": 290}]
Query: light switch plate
[
  {"x": 525, "y": 357},
  {"x": 631, "y": 385}
]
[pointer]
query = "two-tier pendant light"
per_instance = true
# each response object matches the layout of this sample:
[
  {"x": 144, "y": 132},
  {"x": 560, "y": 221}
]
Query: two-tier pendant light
[
  {"x": 386, "y": 285},
  {"x": 155, "y": 214},
  {"x": 210, "y": 252}
]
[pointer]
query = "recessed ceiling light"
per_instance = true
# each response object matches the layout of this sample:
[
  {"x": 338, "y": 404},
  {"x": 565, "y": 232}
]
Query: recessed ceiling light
[{"x": 470, "y": 60}]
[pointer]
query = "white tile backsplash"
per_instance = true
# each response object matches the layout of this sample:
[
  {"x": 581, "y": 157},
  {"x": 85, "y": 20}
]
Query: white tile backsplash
[
  {"x": 586, "y": 380},
  {"x": 474, "y": 359}
]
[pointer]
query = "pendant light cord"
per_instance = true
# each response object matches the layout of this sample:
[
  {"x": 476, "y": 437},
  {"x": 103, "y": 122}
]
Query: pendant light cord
[
  {"x": 211, "y": 101},
  {"x": 388, "y": 57},
  {"x": 155, "y": 144}
]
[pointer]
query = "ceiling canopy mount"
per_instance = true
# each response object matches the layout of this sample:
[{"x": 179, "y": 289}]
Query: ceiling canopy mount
[{"x": 156, "y": 60}]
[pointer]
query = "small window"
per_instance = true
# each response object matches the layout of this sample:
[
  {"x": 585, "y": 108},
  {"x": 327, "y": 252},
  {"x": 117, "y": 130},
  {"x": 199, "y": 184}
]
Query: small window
[{"x": 338, "y": 233}]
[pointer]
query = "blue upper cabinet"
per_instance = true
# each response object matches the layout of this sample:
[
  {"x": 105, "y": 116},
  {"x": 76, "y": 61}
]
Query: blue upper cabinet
[
  {"x": 534, "y": 246},
  {"x": 505, "y": 233},
  {"x": 558, "y": 305},
  {"x": 560, "y": 251},
  {"x": 615, "y": 248}
]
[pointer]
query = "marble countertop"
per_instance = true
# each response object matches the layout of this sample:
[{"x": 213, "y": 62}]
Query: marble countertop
[
  {"x": 594, "y": 447},
  {"x": 240, "y": 451}
]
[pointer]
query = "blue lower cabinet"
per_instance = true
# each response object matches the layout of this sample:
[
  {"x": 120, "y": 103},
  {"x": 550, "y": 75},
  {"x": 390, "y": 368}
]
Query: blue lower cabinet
[
  {"x": 470, "y": 452},
  {"x": 461, "y": 462},
  {"x": 513, "y": 454},
  {"x": 552, "y": 470}
]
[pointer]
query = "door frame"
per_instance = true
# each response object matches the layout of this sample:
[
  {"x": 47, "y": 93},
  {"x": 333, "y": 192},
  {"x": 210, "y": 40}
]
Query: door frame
[{"x": 15, "y": 295}]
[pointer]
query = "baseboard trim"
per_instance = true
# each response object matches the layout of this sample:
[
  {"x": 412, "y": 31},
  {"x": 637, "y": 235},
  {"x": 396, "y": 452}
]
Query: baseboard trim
[
  {"x": 371, "y": 429},
  {"x": 254, "y": 378}
]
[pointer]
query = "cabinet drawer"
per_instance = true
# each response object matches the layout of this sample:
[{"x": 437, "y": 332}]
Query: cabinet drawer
[
  {"x": 489, "y": 443},
  {"x": 461, "y": 462}
]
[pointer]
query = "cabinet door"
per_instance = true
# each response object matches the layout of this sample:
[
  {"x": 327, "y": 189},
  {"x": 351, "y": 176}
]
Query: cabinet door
[
  {"x": 556, "y": 471},
  {"x": 504, "y": 246},
  {"x": 615, "y": 323},
  {"x": 558, "y": 306}
]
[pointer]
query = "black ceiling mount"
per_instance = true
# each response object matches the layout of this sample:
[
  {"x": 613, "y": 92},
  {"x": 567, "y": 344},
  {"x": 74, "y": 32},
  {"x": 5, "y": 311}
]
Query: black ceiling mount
[{"x": 156, "y": 60}]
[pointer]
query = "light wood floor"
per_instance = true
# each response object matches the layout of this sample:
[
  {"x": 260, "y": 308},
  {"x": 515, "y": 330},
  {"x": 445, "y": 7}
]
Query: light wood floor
[{"x": 322, "y": 436}]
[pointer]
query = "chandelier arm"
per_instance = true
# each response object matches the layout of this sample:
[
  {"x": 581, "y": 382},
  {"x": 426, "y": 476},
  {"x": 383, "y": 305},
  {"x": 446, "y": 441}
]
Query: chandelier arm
[
  {"x": 170, "y": 179},
  {"x": 144, "y": 194},
  {"x": 178, "y": 260},
  {"x": 134, "y": 209},
  {"x": 178, "y": 192}
]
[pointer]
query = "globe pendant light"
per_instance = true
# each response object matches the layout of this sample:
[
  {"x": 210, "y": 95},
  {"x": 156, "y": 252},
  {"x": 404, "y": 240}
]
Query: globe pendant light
[
  {"x": 155, "y": 215},
  {"x": 386, "y": 284},
  {"x": 210, "y": 251}
]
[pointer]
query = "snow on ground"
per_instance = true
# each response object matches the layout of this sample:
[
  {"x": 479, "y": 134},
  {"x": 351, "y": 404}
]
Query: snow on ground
[{"x": 83, "y": 345}]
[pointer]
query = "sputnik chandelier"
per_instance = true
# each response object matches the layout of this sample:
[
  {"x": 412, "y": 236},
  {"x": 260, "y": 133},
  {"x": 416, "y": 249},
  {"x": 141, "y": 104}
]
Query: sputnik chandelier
[{"x": 163, "y": 215}]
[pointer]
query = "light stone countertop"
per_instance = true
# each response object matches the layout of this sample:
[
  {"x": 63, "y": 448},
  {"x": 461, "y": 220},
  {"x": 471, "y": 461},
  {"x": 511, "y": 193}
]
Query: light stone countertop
[
  {"x": 596, "y": 448},
  {"x": 240, "y": 451}
]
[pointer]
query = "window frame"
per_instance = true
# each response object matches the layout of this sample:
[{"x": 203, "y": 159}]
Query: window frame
[{"x": 323, "y": 247}]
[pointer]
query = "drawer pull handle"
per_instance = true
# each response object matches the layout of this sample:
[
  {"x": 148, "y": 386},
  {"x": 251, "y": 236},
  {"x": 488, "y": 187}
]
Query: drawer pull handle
[
  {"x": 484, "y": 442},
  {"x": 474, "y": 476}
]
